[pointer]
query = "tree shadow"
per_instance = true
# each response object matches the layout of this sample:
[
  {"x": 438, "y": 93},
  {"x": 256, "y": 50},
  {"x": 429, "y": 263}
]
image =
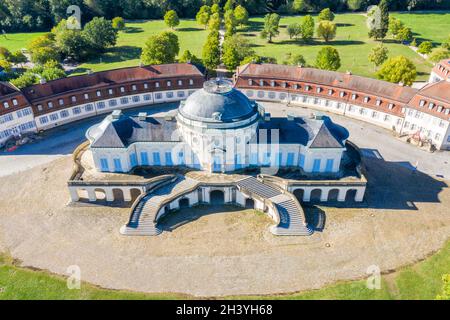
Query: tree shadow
[
  {"x": 320, "y": 43},
  {"x": 132, "y": 30},
  {"x": 118, "y": 54},
  {"x": 189, "y": 29},
  {"x": 315, "y": 217},
  {"x": 343, "y": 25},
  {"x": 253, "y": 26}
]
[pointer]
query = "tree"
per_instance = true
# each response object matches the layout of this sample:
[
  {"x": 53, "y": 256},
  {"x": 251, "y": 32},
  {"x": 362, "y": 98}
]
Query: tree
[
  {"x": 203, "y": 15},
  {"x": 355, "y": 5},
  {"x": 425, "y": 47},
  {"x": 230, "y": 23},
  {"x": 188, "y": 57},
  {"x": 257, "y": 59},
  {"x": 215, "y": 8},
  {"x": 214, "y": 22},
  {"x": 439, "y": 54},
  {"x": 395, "y": 25},
  {"x": 5, "y": 54},
  {"x": 398, "y": 69},
  {"x": 307, "y": 28},
  {"x": 379, "y": 21},
  {"x": 271, "y": 26},
  {"x": 446, "y": 44},
  {"x": 241, "y": 15},
  {"x": 118, "y": 23},
  {"x": 160, "y": 48},
  {"x": 326, "y": 30},
  {"x": 378, "y": 55},
  {"x": 328, "y": 59},
  {"x": 294, "y": 60},
  {"x": 171, "y": 19},
  {"x": 211, "y": 51},
  {"x": 229, "y": 5},
  {"x": 294, "y": 30},
  {"x": 404, "y": 35},
  {"x": 5, "y": 66},
  {"x": 326, "y": 15},
  {"x": 445, "y": 295},
  {"x": 235, "y": 49},
  {"x": 100, "y": 34},
  {"x": 52, "y": 71},
  {"x": 18, "y": 57},
  {"x": 25, "y": 80},
  {"x": 43, "y": 49}
]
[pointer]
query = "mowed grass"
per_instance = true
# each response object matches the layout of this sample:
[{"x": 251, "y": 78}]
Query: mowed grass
[
  {"x": 419, "y": 281},
  {"x": 130, "y": 42},
  {"x": 17, "y": 41},
  {"x": 351, "y": 41}
]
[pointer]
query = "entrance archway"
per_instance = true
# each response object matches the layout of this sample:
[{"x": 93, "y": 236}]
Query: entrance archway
[
  {"x": 333, "y": 195},
  {"x": 183, "y": 203},
  {"x": 100, "y": 194},
  {"x": 118, "y": 195},
  {"x": 299, "y": 194},
  {"x": 135, "y": 193},
  {"x": 351, "y": 195},
  {"x": 249, "y": 203},
  {"x": 217, "y": 197},
  {"x": 315, "y": 195}
]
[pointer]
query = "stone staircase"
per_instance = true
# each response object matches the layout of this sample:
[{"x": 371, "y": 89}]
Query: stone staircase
[
  {"x": 292, "y": 217},
  {"x": 143, "y": 217}
]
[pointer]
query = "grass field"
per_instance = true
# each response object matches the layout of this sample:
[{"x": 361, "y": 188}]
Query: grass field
[
  {"x": 352, "y": 41},
  {"x": 420, "y": 281}
]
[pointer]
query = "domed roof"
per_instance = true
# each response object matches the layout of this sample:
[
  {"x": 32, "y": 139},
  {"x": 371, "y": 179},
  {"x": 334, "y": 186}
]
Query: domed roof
[{"x": 218, "y": 101}]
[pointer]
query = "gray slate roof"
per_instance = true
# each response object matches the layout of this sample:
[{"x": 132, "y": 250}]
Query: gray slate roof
[
  {"x": 122, "y": 132},
  {"x": 308, "y": 132}
]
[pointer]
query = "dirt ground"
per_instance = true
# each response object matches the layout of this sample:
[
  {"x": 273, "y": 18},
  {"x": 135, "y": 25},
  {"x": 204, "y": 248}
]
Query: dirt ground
[{"x": 406, "y": 217}]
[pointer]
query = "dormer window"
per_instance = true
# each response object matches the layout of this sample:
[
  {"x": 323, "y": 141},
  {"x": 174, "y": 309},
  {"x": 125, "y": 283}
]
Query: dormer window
[
  {"x": 110, "y": 91},
  {"x": 14, "y": 101},
  {"x": 180, "y": 82},
  {"x": 50, "y": 105},
  {"x": 342, "y": 94},
  {"x": 6, "y": 105},
  {"x": 284, "y": 84},
  {"x": 353, "y": 96},
  {"x": 169, "y": 83},
  {"x": 157, "y": 84},
  {"x": 39, "y": 106},
  {"x": 145, "y": 85},
  {"x": 122, "y": 89},
  {"x": 73, "y": 99},
  {"x": 431, "y": 105},
  {"x": 307, "y": 88},
  {"x": 391, "y": 106},
  {"x": 86, "y": 96},
  {"x": 403, "y": 110},
  {"x": 422, "y": 103},
  {"x": 272, "y": 83},
  {"x": 330, "y": 92},
  {"x": 61, "y": 102},
  {"x": 295, "y": 86},
  {"x": 439, "y": 109},
  {"x": 133, "y": 87},
  {"x": 191, "y": 82},
  {"x": 447, "y": 112},
  {"x": 319, "y": 90},
  {"x": 378, "y": 102},
  {"x": 366, "y": 99}
]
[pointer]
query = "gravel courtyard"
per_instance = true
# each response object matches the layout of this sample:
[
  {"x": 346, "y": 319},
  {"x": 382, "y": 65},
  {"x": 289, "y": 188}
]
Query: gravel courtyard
[{"x": 405, "y": 218}]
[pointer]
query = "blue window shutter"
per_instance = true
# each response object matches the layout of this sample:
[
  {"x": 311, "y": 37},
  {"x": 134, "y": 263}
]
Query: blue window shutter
[
  {"x": 117, "y": 165},
  {"x": 133, "y": 160},
  {"x": 254, "y": 159},
  {"x": 144, "y": 158},
  {"x": 181, "y": 158},
  {"x": 316, "y": 165},
  {"x": 329, "y": 167},
  {"x": 237, "y": 161},
  {"x": 104, "y": 164},
  {"x": 169, "y": 159},
  {"x": 156, "y": 159},
  {"x": 279, "y": 159},
  {"x": 301, "y": 161},
  {"x": 290, "y": 160}
]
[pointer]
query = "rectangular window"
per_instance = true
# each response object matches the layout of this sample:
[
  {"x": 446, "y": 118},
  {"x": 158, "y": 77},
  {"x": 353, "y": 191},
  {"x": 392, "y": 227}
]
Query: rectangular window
[
  {"x": 112, "y": 103},
  {"x": 100, "y": 105},
  {"x": 144, "y": 158},
  {"x": 147, "y": 97},
  {"x": 316, "y": 165},
  {"x": 19, "y": 114},
  {"x": 191, "y": 82},
  {"x": 301, "y": 161},
  {"x": 6, "y": 105},
  {"x": 76, "y": 110},
  {"x": 104, "y": 164},
  {"x": 88, "y": 107},
  {"x": 61, "y": 102},
  {"x": 117, "y": 165},
  {"x": 180, "y": 94},
  {"x": 86, "y": 96},
  {"x": 64, "y": 114},
  {"x": 158, "y": 95},
  {"x": 266, "y": 160},
  {"x": 329, "y": 167},
  {"x": 99, "y": 94},
  {"x": 15, "y": 102},
  {"x": 290, "y": 159},
  {"x": 237, "y": 161},
  {"x": 50, "y": 105},
  {"x": 156, "y": 159},
  {"x": 124, "y": 100},
  {"x": 133, "y": 87},
  {"x": 74, "y": 99},
  {"x": 43, "y": 120},
  {"x": 54, "y": 117},
  {"x": 136, "y": 99},
  {"x": 181, "y": 158},
  {"x": 133, "y": 160},
  {"x": 169, "y": 95},
  {"x": 168, "y": 156}
]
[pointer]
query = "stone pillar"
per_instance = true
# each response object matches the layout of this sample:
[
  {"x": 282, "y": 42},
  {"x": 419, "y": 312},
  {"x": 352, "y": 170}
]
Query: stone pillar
[
  {"x": 307, "y": 194},
  {"x": 91, "y": 195},
  {"x": 240, "y": 199},
  {"x": 324, "y": 195},
  {"x": 360, "y": 194},
  {"x": 109, "y": 194},
  {"x": 342, "y": 194},
  {"x": 126, "y": 194},
  {"x": 206, "y": 198},
  {"x": 74, "y": 194}
]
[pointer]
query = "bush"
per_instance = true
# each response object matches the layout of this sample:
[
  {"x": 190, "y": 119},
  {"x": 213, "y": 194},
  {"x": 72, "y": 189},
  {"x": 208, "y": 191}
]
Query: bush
[{"x": 118, "y": 23}]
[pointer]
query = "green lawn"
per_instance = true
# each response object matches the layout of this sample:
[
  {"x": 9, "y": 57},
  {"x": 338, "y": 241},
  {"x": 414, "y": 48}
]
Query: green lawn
[
  {"x": 129, "y": 43},
  {"x": 351, "y": 40},
  {"x": 17, "y": 41},
  {"x": 420, "y": 281}
]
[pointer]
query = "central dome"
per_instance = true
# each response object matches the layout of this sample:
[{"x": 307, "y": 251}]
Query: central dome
[{"x": 218, "y": 101}]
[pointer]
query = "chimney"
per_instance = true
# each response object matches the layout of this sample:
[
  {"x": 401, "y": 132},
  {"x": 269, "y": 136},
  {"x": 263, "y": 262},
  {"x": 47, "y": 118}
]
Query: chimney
[
  {"x": 116, "y": 114},
  {"x": 142, "y": 116}
]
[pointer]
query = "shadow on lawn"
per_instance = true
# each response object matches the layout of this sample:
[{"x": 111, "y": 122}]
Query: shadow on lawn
[
  {"x": 320, "y": 43},
  {"x": 189, "y": 29},
  {"x": 118, "y": 54},
  {"x": 133, "y": 30}
]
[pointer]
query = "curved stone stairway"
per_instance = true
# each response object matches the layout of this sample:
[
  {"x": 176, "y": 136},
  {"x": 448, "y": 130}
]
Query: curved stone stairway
[
  {"x": 292, "y": 217},
  {"x": 143, "y": 217}
]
